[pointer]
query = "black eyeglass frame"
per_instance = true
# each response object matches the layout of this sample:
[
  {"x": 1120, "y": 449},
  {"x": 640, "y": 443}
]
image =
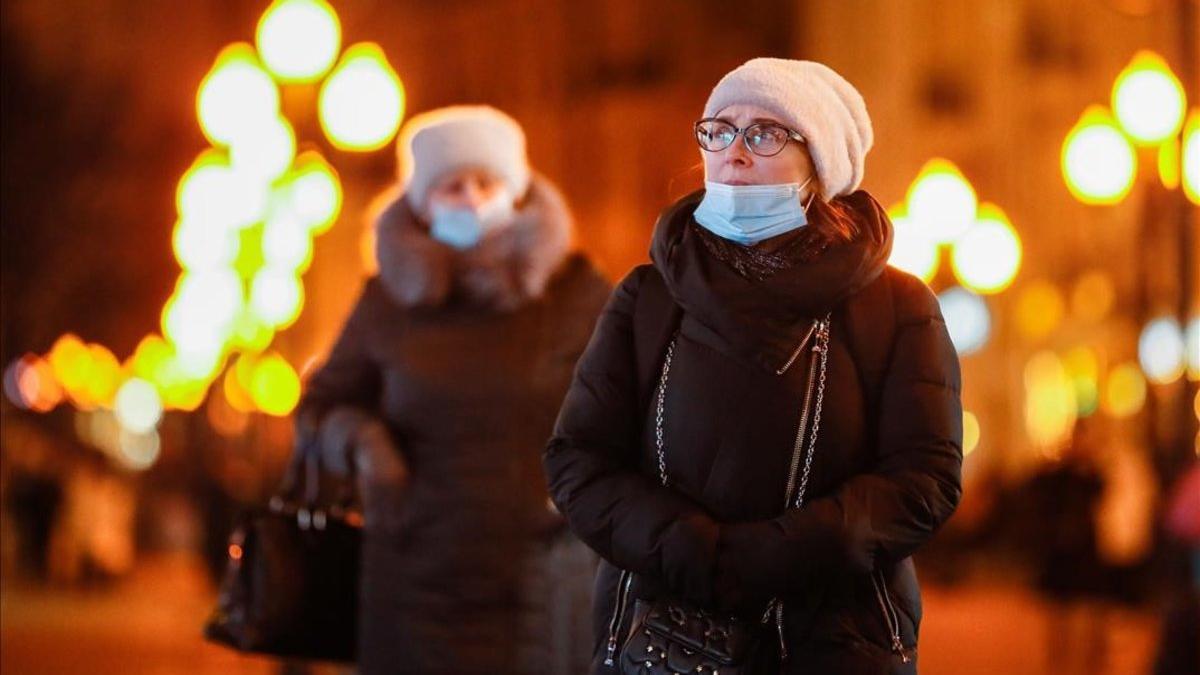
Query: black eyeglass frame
[{"x": 743, "y": 132}]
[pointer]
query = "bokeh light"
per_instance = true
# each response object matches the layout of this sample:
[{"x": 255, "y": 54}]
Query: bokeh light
[
  {"x": 1050, "y": 405},
  {"x": 1124, "y": 391},
  {"x": 1191, "y": 157},
  {"x": 236, "y": 96},
  {"x": 1148, "y": 99},
  {"x": 276, "y": 297},
  {"x": 138, "y": 407},
  {"x": 1191, "y": 348},
  {"x": 263, "y": 151},
  {"x": 299, "y": 39},
  {"x": 1161, "y": 350},
  {"x": 1092, "y": 296},
  {"x": 1040, "y": 308},
  {"x": 967, "y": 319},
  {"x": 912, "y": 250},
  {"x": 971, "y": 432},
  {"x": 941, "y": 201},
  {"x": 361, "y": 103},
  {"x": 200, "y": 247},
  {"x": 213, "y": 195},
  {"x": 275, "y": 386},
  {"x": 987, "y": 256},
  {"x": 313, "y": 192},
  {"x": 1098, "y": 162}
]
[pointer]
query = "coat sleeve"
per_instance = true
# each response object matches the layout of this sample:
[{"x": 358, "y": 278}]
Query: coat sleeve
[
  {"x": 350, "y": 381},
  {"x": 885, "y": 514},
  {"x": 591, "y": 464}
]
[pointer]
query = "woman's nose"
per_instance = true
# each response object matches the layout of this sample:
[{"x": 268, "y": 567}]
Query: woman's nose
[
  {"x": 737, "y": 154},
  {"x": 473, "y": 195}
]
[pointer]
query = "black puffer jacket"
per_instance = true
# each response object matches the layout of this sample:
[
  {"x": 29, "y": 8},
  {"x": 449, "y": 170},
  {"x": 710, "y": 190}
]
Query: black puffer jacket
[{"x": 886, "y": 471}]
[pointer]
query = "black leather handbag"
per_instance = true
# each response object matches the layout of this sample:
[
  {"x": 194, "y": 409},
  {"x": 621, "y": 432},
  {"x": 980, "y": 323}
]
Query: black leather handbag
[
  {"x": 670, "y": 637},
  {"x": 291, "y": 582}
]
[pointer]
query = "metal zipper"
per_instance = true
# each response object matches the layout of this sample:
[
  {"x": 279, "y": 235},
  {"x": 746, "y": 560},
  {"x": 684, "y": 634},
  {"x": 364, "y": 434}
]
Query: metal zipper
[
  {"x": 623, "y": 583},
  {"x": 890, "y": 617},
  {"x": 796, "y": 354},
  {"x": 793, "y": 470}
]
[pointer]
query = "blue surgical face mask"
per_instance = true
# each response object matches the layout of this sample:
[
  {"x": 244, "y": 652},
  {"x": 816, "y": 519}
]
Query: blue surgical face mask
[
  {"x": 748, "y": 214},
  {"x": 462, "y": 227}
]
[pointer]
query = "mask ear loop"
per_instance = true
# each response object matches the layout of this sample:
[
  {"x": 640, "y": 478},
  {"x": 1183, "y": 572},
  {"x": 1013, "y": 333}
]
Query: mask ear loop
[{"x": 812, "y": 195}]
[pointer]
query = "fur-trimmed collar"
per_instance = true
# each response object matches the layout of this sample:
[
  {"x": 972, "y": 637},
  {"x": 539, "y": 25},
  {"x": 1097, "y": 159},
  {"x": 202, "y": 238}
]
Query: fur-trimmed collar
[{"x": 507, "y": 269}]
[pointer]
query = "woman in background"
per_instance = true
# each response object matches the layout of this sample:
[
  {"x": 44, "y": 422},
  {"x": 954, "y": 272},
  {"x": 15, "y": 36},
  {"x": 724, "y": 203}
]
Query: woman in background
[{"x": 442, "y": 388}]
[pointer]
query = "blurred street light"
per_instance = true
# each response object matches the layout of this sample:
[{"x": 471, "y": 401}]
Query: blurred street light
[
  {"x": 362, "y": 101},
  {"x": 299, "y": 39},
  {"x": 1097, "y": 159}
]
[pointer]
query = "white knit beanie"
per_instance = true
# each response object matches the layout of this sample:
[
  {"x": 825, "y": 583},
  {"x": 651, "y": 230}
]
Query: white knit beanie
[
  {"x": 441, "y": 141},
  {"x": 812, "y": 99}
]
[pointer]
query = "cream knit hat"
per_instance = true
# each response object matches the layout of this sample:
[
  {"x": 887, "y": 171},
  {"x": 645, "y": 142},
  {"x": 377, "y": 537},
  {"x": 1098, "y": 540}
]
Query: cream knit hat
[
  {"x": 814, "y": 100},
  {"x": 448, "y": 139}
]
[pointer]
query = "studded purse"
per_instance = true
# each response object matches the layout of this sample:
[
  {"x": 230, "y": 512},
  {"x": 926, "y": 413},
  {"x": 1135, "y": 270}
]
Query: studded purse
[{"x": 671, "y": 637}]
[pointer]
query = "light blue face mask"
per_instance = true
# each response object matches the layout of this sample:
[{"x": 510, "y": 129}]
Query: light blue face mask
[
  {"x": 748, "y": 214},
  {"x": 462, "y": 228}
]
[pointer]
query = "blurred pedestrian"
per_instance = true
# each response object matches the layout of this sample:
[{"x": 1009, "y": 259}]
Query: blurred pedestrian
[{"x": 442, "y": 388}]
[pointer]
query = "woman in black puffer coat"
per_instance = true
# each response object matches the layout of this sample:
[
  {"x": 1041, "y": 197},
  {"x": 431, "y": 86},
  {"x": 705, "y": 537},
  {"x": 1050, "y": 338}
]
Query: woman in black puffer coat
[
  {"x": 768, "y": 310},
  {"x": 442, "y": 388}
]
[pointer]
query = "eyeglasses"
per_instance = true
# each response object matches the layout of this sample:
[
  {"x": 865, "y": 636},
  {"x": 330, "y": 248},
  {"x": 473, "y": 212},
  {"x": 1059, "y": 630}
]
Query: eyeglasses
[{"x": 763, "y": 139}]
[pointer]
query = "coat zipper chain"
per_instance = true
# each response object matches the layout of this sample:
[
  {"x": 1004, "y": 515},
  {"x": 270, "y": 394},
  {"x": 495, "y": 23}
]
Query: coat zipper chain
[
  {"x": 623, "y": 583},
  {"x": 820, "y": 356},
  {"x": 820, "y": 352},
  {"x": 890, "y": 617}
]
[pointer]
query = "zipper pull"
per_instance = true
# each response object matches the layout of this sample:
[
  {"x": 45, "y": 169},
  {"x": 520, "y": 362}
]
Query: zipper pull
[{"x": 612, "y": 649}]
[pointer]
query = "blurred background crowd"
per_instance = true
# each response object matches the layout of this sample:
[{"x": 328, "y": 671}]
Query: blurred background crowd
[{"x": 186, "y": 200}]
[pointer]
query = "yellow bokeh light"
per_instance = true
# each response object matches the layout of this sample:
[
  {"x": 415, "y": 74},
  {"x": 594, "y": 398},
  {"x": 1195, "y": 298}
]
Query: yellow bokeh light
[
  {"x": 1161, "y": 350},
  {"x": 235, "y": 95},
  {"x": 1098, "y": 161},
  {"x": 1092, "y": 296},
  {"x": 150, "y": 358},
  {"x": 1191, "y": 157},
  {"x": 941, "y": 202},
  {"x": 276, "y": 297},
  {"x": 912, "y": 251},
  {"x": 1040, "y": 309},
  {"x": 263, "y": 151},
  {"x": 249, "y": 334},
  {"x": 1124, "y": 391},
  {"x": 236, "y": 387},
  {"x": 314, "y": 193},
  {"x": 987, "y": 256},
  {"x": 361, "y": 103},
  {"x": 1148, "y": 99},
  {"x": 1169, "y": 163},
  {"x": 137, "y": 406},
  {"x": 275, "y": 386},
  {"x": 104, "y": 376},
  {"x": 213, "y": 195},
  {"x": 1051, "y": 407},
  {"x": 299, "y": 39},
  {"x": 971, "y": 432}
]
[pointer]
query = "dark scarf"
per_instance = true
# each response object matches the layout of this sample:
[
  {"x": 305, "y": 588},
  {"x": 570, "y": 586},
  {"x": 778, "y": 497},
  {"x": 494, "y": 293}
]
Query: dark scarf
[
  {"x": 508, "y": 268},
  {"x": 763, "y": 319}
]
